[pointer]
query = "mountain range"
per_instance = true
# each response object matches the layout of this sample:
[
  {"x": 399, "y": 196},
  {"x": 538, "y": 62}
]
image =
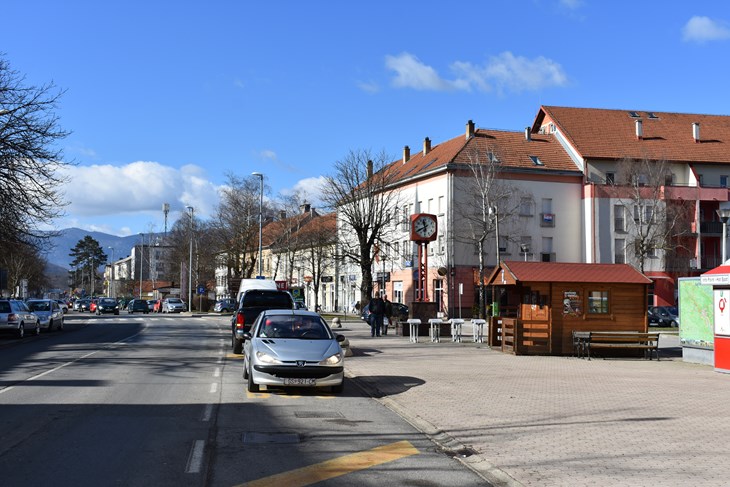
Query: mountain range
[{"x": 61, "y": 245}]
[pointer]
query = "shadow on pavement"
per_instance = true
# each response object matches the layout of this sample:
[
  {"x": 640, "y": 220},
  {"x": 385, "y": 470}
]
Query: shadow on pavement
[{"x": 380, "y": 386}]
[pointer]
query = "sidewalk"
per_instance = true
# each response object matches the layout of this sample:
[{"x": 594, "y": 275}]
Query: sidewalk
[{"x": 553, "y": 421}]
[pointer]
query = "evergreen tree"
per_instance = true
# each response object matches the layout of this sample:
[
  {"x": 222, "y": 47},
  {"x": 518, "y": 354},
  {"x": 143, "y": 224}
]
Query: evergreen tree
[{"x": 88, "y": 256}]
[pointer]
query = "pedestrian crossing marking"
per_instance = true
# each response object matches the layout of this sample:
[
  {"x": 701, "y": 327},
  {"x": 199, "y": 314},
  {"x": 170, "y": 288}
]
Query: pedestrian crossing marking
[{"x": 338, "y": 466}]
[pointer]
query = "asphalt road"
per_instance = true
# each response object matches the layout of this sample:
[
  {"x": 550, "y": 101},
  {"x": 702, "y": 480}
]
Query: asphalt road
[{"x": 139, "y": 400}]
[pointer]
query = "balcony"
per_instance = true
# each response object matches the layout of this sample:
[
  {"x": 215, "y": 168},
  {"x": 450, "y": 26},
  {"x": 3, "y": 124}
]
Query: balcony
[{"x": 711, "y": 228}]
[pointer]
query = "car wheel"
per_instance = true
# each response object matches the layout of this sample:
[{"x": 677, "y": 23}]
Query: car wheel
[
  {"x": 21, "y": 331},
  {"x": 37, "y": 330},
  {"x": 116, "y": 312},
  {"x": 674, "y": 324},
  {"x": 50, "y": 326},
  {"x": 245, "y": 370},
  {"x": 60, "y": 327},
  {"x": 252, "y": 386},
  {"x": 237, "y": 345}
]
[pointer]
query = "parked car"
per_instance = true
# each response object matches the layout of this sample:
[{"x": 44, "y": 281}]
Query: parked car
[
  {"x": 138, "y": 306},
  {"x": 667, "y": 315},
  {"x": 292, "y": 348},
  {"x": 83, "y": 304},
  {"x": 16, "y": 318},
  {"x": 224, "y": 306},
  {"x": 299, "y": 305},
  {"x": 399, "y": 309},
  {"x": 63, "y": 304},
  {"x": 49, "y": 313},
  {"x": 107, "y": 305},
  {"x": 173, "y": 305},
  {"x": 151, "y": 304}
]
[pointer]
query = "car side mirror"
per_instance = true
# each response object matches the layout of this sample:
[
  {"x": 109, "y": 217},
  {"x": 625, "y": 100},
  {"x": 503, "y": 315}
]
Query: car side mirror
[
  {"x": 340, "y": 338},
  {"x": 247, "y": 335}
]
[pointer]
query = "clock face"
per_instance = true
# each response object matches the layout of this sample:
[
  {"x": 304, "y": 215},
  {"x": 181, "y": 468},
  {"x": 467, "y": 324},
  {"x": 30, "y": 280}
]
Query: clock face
[{"x": 424, "y": 226}]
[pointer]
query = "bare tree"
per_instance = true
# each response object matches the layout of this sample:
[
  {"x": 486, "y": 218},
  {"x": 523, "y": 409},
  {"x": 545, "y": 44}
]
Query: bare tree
[
  {"x": 486, "y": 202},
  {"x": 30, "y": 159},
  {"x": 317, "y": 241},
  {"x": 362, "y": 191},
  {"x": 652, "y": 221},
  {"x": 291, "y": 219},
  {"x": 24, "y": 262}
]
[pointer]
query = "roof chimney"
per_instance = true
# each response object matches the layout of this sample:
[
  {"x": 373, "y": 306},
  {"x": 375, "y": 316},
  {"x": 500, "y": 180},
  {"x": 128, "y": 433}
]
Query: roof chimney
[
  {"x": 696, "y": 131},
  {"x": 426, "y": 146},
  {"x": 370, "y": 169},
  {"x": 528, "y": 136},
  {"x": 282, "y": 215},
  {"x": 639, "y": 129},
  {"x": 305, "y": 207},
  {"x": 469, "y": 130},
  {"x": 406, "y": 154}
]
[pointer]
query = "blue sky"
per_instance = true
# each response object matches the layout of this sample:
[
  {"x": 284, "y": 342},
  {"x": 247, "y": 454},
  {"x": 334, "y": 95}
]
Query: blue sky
[{"x": 164, "y": 98}]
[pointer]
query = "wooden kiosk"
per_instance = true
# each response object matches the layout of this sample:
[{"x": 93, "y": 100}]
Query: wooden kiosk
[{"x": 540, "y": 304}]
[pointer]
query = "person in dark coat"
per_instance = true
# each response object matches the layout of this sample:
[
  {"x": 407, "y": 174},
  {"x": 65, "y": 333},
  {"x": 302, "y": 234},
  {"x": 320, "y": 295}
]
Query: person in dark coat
[
  {"x": 377, "y": 312},
  {"x": 388, "y": 314}
]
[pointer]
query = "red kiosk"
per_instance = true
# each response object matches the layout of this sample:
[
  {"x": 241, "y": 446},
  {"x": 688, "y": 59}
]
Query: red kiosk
[{"x": 719, "y": 279}]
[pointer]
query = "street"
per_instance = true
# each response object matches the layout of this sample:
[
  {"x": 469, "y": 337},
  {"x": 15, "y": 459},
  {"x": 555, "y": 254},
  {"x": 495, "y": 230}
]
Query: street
[{"x": 159, "y": 400}]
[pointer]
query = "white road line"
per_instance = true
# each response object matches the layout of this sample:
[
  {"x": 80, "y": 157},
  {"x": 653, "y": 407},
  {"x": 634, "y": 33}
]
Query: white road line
[
  {"x": 220, "y": 360},
  {"x": 214, "y": 387},
  {"x": 207, "y": 413},
  {"x": 195, "y": 460},
  {"x": 217, "y": 372},
  {"x": 42, "y": 374}
]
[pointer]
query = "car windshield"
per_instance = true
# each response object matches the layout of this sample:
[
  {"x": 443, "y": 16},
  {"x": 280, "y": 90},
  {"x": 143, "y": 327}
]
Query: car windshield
[
  {"x": 266, "y": 299},
  {"x": 174, "y": 301},
  {"x": 303, "y": 327},
  {"x": 39, "y": 305},
  {"x": 108, "y": 301},
  {"x": 4, "y": 307}
]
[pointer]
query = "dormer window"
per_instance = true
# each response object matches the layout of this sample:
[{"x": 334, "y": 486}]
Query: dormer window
[
  {"x": 536, "y": 161},
  {"x": 634, "y": 115},
  {"x": 493, "y": 157}
]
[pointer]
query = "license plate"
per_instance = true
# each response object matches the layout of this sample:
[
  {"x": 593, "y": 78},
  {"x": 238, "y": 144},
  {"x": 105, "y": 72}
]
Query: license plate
[{"x": 299, "y": 382}]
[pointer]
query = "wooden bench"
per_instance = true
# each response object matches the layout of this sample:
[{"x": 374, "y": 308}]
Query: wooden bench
[{"x": 584, "y": 341}]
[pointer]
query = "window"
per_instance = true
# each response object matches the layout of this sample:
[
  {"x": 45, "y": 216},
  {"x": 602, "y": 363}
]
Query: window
[
  {"x": 536, "y": 161},
  {"x": 441, "y": 244},
  {"x": 547, "y": 205},
  {"x": 526, "y": 207},
  {"x": 634, "y": 115},
  {"x": 406, "y": 250},
  {"x": 701, "y": 179},
  {"x": 619, "y": 251},
  {"x": 723, "y": 181},
  {"x": 493, "y": 157},
  {"x": 547, "y": 254},
  {"x": 396, "y": 248},
  {"x": 503, "y": 244},
  {"x": 610, "y": 178},
  {"x": 669, "y": 179},
  {"x": 619, "y": 218},
  {"x": 429, "y": 208},
  {"x": 598, "y": 302}
]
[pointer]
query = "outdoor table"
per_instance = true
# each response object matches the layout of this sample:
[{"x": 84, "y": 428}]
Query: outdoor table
[
  {"x": 456, "y": 325},
  {"x": 478, "y": 330},
  {"x": 435, "y": 331},
  {"x": 414, "y": 324}
]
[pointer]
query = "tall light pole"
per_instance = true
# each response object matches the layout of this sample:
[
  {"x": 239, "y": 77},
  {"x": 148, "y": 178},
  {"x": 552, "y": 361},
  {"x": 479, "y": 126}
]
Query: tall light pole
[
  {"x": 261, "y": 220},
  {"x": 724, "y": 214},
  {"x": 493, "y": 213},
  {"x": 190, "y": 266},
  {"x": 141, "y": 263},
  {"x": 112, "y": 293}
]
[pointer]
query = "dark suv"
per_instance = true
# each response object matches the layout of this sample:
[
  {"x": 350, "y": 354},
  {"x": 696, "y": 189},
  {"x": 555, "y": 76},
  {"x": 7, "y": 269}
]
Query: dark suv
[{"x": 253, "y": 302}]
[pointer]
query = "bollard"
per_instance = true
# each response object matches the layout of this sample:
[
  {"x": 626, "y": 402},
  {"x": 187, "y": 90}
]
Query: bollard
[
  {"x": 435, "y": 331},
  {"x": 456, "y": 329},
  {"x": 478, "y": 330},
  {"x": 414, "y": 324}
]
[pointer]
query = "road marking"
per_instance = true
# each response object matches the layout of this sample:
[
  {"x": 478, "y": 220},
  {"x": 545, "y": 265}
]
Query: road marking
[
  {"x": 207, "y": 413},
  {"x": 217, "y": 372},
  {"x": 338, "y": 466},
  {"x": 195, "y": 460},
  {"x": 213, "y": 387}
]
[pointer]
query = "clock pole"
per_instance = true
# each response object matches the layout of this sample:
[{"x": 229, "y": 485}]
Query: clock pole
[{"x": 422, "y": 271}]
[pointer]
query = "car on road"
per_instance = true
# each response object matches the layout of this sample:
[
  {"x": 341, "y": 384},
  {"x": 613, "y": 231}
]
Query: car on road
[
  {"x": 251, "y": 303},
  {"x": 83, "y": 304},
  {"x": 400, "y": 310},
  {"x": 227, "y": 305},
  {"x": 16, "y": 318},
  {"x": 173, "y": 305},
  {"x": 138, "y": 306},
  {"x": 665, "y": 315},
  {"x": 293, "y": 348},
  {"x": 63, "y": 305},
  {"x": 48, "y": 312},
  {"x": 107, "y": 305}
]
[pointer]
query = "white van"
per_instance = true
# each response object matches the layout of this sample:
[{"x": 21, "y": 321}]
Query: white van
[{"x": 248, "y": 284}]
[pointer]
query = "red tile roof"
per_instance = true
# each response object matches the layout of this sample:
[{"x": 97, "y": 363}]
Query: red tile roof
[
  {"x": 573, "y": 272},
  {"x": 611, "y": 134},
  {"x": 512, "y": 149}
]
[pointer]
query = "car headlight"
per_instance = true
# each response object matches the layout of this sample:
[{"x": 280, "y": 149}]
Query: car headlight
[
  {"x": 332, "y": 360},
  {"x": 266, "y": 358}
]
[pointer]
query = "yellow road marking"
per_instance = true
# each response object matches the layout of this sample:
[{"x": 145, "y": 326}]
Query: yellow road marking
[{"x": 338, "y": 466}]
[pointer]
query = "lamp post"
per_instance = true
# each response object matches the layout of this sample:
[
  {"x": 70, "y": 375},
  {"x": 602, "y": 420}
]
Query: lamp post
[
  {"x": 111, "y": 291},
  {"x": 261, "y": 220},
  {"x": 525, "y": 250},
  {"x": 141, "y": 263},
  {"x": 493, "y": 213},
  {"x": 190, "y": 264},
  {"x": 724, "y": 214}
]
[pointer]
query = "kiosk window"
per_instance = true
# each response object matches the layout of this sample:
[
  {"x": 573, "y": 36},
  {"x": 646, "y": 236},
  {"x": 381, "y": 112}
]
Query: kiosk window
[{"x": 598, "y": 302}]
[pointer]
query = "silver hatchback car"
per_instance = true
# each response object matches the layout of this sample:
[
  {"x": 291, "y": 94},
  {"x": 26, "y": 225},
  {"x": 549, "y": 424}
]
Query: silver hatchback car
[
  {"x": 295, "y": 348},
  {"x": 49, "y": 313},
  {"x": 16, "y": 318}
]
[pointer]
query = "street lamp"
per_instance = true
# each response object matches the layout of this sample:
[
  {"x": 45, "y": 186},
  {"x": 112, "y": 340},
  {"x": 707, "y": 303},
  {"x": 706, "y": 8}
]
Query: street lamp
[
  {"x": 190, "y": 266},
  {"x": 525, "y": 250},
  {"x": 112, "y": 293},
  {"x": 261, "y": 220},
  {"x": 141, "y": 263},
  {"x": 724, "y": 214},
  {"x": 493, "y": 213}
]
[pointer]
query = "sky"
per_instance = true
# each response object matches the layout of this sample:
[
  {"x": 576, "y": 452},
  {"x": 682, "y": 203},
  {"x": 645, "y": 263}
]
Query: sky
[{"x": 165, "y": 99}]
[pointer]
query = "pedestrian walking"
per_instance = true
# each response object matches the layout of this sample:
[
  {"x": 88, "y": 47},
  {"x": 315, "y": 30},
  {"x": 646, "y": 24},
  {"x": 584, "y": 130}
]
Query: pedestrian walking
[
  {"x": 388, "y": 314},
  {"x": 377, "y": 311}
]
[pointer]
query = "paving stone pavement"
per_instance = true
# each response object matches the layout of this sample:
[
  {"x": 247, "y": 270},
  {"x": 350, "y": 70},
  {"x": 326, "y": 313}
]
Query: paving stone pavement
[{"x": 554, "y": 421}]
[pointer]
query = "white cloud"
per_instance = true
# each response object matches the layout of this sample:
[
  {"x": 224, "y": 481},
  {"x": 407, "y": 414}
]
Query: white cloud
[
  {"x": 505, "y": 72},
  {"x": 368, "y": 86},
  {"x": 412, "y": 73},
  {"x": 702, "y": 29},
  {"x": 267, "y": 154},
  {"x": 137, "y": 188},
  {"x": 309, "y": 189}
]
